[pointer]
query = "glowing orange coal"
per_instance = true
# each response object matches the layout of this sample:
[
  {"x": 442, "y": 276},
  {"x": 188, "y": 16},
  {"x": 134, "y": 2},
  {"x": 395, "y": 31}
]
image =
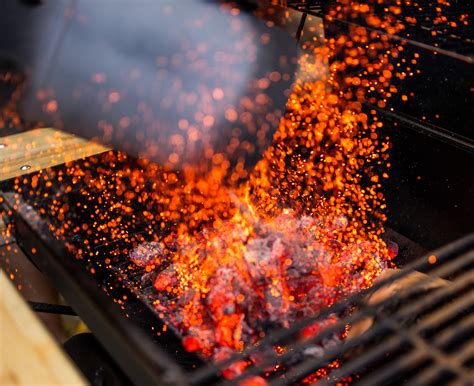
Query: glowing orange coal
[{"x": 304, "y": 230}]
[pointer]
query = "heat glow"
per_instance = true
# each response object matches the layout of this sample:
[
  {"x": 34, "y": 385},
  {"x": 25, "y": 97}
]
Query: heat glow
[
  {"x": 235, "y": 253},
  {"x": 305, "y": 228}
]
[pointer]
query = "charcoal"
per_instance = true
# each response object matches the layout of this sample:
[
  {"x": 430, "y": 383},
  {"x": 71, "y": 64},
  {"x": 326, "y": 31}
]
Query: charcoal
[
  {"x": 392, "y": 247},
  {"x": 147, "y": 254},
  {"x": 331, "y": 343},
  {"x": 148, "y": 279},
  {"x": 253, "y": 381},
  {"x": 191, "y": 343},
  {"x": 206, "y": 337},
  {"x": 166, "y": 279},
  {"x": 226, "y": 288},
  {"x": 277, "y": 304},
  {"x": 234, "y": 369}
]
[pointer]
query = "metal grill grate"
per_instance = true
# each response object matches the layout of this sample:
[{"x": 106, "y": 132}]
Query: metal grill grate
[{"x": 420, "y": 336}]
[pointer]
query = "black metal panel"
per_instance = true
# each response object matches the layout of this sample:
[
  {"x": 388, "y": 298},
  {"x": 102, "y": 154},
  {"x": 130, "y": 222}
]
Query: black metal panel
[
  {"x": 442, "y": 89},
  {"x": 430, "y": 191}
]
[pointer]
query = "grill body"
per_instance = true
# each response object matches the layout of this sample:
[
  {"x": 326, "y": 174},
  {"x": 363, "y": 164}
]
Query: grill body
[
  {"x": 423, "y": 336},
  {"x": 410, "y": 328}
]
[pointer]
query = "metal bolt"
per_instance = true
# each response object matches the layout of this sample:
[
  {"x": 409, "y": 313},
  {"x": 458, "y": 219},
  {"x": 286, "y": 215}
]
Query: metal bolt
[{"x": 25, "y": 167}]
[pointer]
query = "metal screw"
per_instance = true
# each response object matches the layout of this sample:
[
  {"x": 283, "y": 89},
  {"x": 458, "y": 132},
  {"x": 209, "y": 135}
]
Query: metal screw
[
  {"x": 25, "y": 167},
  {"x": 3, "y": 145}
]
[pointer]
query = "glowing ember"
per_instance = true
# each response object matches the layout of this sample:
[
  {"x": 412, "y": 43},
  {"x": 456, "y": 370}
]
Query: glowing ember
[
  {"x": 305, "y": 229},
  {"x": 237, "y": 253},
  {"x": 228, "y": 286}
]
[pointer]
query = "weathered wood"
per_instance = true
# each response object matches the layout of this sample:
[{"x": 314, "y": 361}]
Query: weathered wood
[
  {"x": 37, "y": 149},
  {"x": 28, "y": 353}
]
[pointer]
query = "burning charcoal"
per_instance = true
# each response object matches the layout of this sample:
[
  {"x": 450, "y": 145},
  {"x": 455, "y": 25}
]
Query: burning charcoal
[
  {"x": 318, "y": 326},
  {"x": 146, "y": 254},
  {"x": 205, "y": 338},
  {"x": 190, "y": 298},
  {"x": 191, "y": 343},
  {"x": 147, "y": 279},
  {"x": 360, "y": 257},
  {"x": 331, "y": 343},
  {"x": 238, "y": 282},
  {"x": 234, "y": 369},
  {"x": 247, "y": 331},
  {"x": 167, "y": 279},
  {"x": 307, "y": 260},
  {"x": 222, "y": 353},
  {"x": 265, "y": 354},
  {"x": 276, "y": 301},
  {"x": 262, "y": 256},
  {"x": 392, "y": 247},
  {"x": 311, "y": 330},
  {"x": 221, "y": 298},
  {"x": 253, "y": 381},
  {"x": 229, "y": 331}
]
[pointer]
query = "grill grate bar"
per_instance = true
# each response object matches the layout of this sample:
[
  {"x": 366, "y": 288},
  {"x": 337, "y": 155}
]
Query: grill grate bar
[
  {"x": 460, "y": 330},
  {"x": 384, "y": 374},
  {"x": 383, "y": 329},
  {"x": 442, "y": 270},
  {"x": 409, "y": 356},
  {"x": 384, "y": 326},
  {"x": 436, "y": 295},
  {"x": 431, "y": 375},
  {"x": 446, "y": 313},
  {"x": 434, "y": 352},
  {"x": 395, "y": 321},
  {"x": 373, "y": 352},
  {"x": 442, "y": 362},
  {"x": 464, "y": 355}
]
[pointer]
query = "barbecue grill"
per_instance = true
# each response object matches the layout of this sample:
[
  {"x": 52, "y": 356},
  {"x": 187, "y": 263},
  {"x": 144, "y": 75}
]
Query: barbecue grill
[{"x": 421, "y": 334}]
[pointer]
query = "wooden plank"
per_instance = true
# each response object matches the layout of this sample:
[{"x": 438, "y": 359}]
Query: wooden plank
[
  {"x": 28, "y": 353},
  {"x": 37, "y": 149},
  {"x": 32, "y": 284}
]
